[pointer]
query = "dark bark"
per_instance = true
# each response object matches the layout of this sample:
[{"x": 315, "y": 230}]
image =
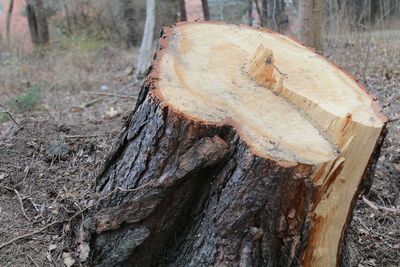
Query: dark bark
[
  {"x": 206, "y": 10},
  {"x": 249, "y": 11},
  {"x": 199, "y": 196},
  {"x": 37, "y": 22},
  {"x": 393, "y": 7},
  {"x": 8, "y": 20},
  {"x": 182, "y": 10},
  {"x": 374, "y": 10}
]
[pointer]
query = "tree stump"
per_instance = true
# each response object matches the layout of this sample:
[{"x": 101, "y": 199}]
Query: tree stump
[{"x": 245, "y": 148}]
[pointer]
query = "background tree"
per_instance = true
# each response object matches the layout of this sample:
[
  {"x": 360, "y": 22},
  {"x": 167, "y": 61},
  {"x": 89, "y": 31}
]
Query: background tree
[
  {"x": 37, "y": 22},
  {"x": 273, "y": 14},
  {"x": 310, "y": 23},
  {"x": 182, "y": 9},
  {"x": 8, "y": 20},
  {"x": 206, "y": 10},
  {"x": 145, "y": 48}
]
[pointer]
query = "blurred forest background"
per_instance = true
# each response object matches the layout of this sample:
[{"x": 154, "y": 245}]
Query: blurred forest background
[{"x": 70, "y": 71}]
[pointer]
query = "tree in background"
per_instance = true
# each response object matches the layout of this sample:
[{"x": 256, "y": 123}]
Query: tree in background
[
  {"x": 182, "y": 10},
  {"x": 310, "y": 23},
  {"x": 37, "y": 22},
  {"x": 206, "y": 10},
  {"x": 8, "y": 20},
  {"x": 145, "y": 48},
  {"x": 272, "y": 14}
]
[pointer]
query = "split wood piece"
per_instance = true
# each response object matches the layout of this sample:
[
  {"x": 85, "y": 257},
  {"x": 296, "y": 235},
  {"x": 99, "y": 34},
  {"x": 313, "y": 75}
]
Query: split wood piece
[{"x": 294, "y": 136}]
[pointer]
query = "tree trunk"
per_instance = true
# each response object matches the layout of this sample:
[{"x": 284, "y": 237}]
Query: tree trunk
[
  {"x": 129, "y": 19},
  {"x": 250, "y": 12},
  {"x": 239, "y": 152},
  {"x": 145, "y": 48},
  {"x": 182, "y": 9},
  {"x": 37, "y": 22},
  {"x": 310, "y": 23},
  {"x": 8, "y": 20},
  {"x": 273, "y": 15},
  {"x": 206, "y": 10}
]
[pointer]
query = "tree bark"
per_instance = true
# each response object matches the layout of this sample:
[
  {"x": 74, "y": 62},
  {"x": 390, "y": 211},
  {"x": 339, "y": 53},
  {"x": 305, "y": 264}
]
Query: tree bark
[
  {"x": 206, "y": 10},
  {"x": 145, "y": 48},
  {"x": 196, "y": 180},
  {"x": 249, "y": 12},
  {"x": 37, "y": 22},
  {"x": 182, "y": 9},
  {"x": 310, "y": 23},
  {"x": 8, "y": 20}
]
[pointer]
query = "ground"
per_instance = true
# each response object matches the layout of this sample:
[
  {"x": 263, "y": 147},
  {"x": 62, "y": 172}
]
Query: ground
[{"x": 72, "y": 103}]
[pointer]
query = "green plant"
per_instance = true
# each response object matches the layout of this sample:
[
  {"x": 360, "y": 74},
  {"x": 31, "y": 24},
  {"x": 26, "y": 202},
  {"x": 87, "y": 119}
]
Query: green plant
[
  {"x": 28, "y": 100},
  {"x": 4, "y": 117}
]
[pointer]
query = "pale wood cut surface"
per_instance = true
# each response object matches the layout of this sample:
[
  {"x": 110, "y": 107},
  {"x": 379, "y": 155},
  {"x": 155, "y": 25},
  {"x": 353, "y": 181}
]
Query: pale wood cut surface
[{"x": 315, "y": 115}]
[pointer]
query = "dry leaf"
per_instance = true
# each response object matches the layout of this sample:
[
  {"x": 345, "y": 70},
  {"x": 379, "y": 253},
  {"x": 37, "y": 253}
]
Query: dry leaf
[
  {"x": 52, "y": 247},
  {"x": 68, "y": 260},
  {"x": 48, "y": 256},
  {"x": 84, "y": 250},
  {"x": 111, "y": 112}
]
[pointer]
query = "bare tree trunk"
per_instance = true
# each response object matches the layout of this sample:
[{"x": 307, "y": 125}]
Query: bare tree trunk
[
  {"x": 129, "y": 20},
  {"x": 145, "y": 48},
  {"x": 249, "y": 12},
  {"x": 37, "y": 22},
  {"x": 393, "y": 7},
  {"x": 310, "y": 19},
  {"x": 8, "y": 20},
  {"x": 182, "y": 8},
  {"x": 206, "y": 10}
]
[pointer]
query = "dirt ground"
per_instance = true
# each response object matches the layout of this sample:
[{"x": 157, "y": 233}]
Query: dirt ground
[{"x": 49, "y": 161}]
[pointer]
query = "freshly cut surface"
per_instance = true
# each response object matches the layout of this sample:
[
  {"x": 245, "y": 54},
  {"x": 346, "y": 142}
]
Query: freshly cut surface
[
  {"x": 244, "y": 148},
  {"x": 287, "y": 102},
  {"x": 204, "y": 74}
]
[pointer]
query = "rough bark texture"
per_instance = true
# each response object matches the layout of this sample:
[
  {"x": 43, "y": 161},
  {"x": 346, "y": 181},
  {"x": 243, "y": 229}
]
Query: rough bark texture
[
  {"x": 177, "y": 191},
  {"x": 207, "y": 199}
]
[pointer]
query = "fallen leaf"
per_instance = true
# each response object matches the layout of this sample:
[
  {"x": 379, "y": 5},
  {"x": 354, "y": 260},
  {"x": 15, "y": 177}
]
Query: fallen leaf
[
  {"x": 48, "y": 256},
  {"x": 52, "y": 247},
  {"x": 68, "y": 260},
  {"x": 84, "y": 250}
]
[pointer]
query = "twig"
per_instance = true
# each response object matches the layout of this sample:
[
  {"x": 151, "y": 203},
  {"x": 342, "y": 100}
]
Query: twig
[
  {"x": 92, "y": 102},
  {"x": 29, "y": 234},
  {"x": 149, "y": 184},
  {"x": 81, "y": 136},
  {"x": 378, "y": 207},
  {"x": 8, "y": 112},
  {"x": 115, "y": 95},
  {"x": 394, "y": 119},
  {"x": 369, "y": 203},
  {"x": 21, "y": 204},
  {"x": 285, "y": 75},
  {"x": 33, "y": 261}
]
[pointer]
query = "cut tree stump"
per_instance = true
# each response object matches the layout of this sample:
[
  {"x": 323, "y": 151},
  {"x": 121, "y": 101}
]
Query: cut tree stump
[{"x": 245, "y": 148}]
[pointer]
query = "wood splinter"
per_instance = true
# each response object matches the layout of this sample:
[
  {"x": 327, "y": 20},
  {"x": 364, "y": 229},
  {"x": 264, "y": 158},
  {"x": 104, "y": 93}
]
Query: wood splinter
[{"x": 262, "y": 66}]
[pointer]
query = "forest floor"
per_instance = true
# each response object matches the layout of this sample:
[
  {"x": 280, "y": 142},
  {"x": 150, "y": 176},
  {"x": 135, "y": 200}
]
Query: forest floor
[{"x": 71, "y": 105}]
